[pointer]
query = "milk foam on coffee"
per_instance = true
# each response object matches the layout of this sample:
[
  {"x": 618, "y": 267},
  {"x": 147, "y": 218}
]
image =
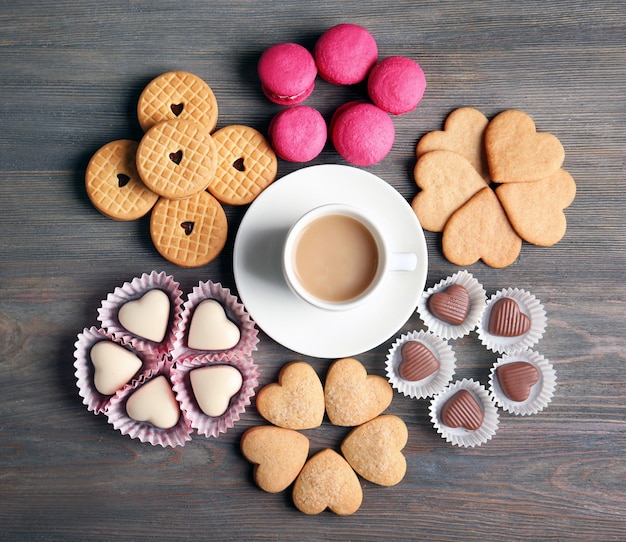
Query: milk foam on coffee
[{"x": 335, "y": 258}]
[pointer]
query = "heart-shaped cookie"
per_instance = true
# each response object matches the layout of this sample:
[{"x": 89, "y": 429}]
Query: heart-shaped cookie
[
  {"x": 374, "y": 450},
  {"x": 113, "y": 365},
  {"x": 464, "y": 134},
  {"x": 327, "y": 481},
  {"x": 148, "y": 316},
  {"x": 417, "y": 361},
  {"x": 154, "y": 402},
  {"x": 535, "y": 210},
  {"x": 447, "y": 181},
  {"x": 507, "y": 320},
  {"x": 516, "y": 379},
  {"x": 210, "y": 328},
  {"x": 352, "y": 396},
  {"x": 451, "y": 304},
  {"x": 296, "y": 401},
  {"x": 516, "y": 152},
  {"x": 278, "y": 455},
  {"x": 478, "y": 230},
  {"x": 214, "y": 386},
  {"x": 462, "y": 410}
]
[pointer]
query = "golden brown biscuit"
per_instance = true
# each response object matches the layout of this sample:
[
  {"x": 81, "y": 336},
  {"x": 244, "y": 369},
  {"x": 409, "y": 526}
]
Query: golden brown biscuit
[
  {"x": 177, "y": 158},
  {"x": 189, "y": 232},
  {"x": 246, "y": 165},
  {"x": 113, "y": 184},
  {"x": 352, "y": 396},
  {"x": 177, "y": 94}
]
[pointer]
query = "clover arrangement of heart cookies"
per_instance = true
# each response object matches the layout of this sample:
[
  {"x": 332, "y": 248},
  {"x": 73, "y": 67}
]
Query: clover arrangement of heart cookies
[
  {"x": 182, "y": 171},
  {"x": 457, "y": 169},
  {"x": 328, "y": 479},
  {"x": 161, "y": 367},
  {"x": 421, "y": 364}
]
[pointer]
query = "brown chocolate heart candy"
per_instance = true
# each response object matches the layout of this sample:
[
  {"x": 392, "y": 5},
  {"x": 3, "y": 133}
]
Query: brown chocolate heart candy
[
  {"x": 450, "y": 305},
  {"x": 418, "y": 361},
  {"x": 506, "y": 319},
  {"x": 517, "y": 379},
  {"x": 462, "y": 410}
]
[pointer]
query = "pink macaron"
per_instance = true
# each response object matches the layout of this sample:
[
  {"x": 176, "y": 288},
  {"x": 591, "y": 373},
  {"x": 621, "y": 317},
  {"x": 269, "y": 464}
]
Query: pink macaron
[
  {"x": 396, "y": 84},
  {"x": 362, "y": 133},
  {"x": 298, "y": 134},
  {"x": 287, "y": 72},
  {"x": 345, "y": 54}
]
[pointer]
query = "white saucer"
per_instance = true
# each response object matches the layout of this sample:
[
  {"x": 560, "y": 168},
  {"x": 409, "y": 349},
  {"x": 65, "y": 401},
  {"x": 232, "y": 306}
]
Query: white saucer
[{"x": 291, "y": 321}]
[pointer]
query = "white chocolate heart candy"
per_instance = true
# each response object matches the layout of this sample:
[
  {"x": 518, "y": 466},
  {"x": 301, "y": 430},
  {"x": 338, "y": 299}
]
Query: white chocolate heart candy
[
  {"x": 148, "y": 316},
  {"x": 214, "y": 386},
  {"x": 211, "y": 329},
  {"x": 154, "y": 402},
  {"x": 113, "y": 366}
]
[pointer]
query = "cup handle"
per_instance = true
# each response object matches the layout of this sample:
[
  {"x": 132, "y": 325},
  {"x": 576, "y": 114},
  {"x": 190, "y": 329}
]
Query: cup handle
[{"x": 402, "y": 261}]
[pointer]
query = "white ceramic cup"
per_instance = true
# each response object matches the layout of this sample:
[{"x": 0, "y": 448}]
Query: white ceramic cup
[{"x": 385, "y": 261}]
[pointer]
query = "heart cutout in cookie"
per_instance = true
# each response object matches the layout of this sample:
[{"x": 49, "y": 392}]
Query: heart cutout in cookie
[
  {"x": 210, "y": 328},
  {"x": 239, "y": 165},
  {"x": 507, "y": 320},
  {"x": 374, "y": 450},
  {"x": 154, "y": 402},
  {"x": 296, "y": 401},
  {"x": 418, "y": 361},
  {"x": 516, "y": 379},
  {"x": 187, "y": 226},
  {"x": 451, "y": 304},
  {"x": 278, "y": 455},
  {"x": 462, "y": 410},
  {"x": 447, "y": 180},
  {"x": 516, "y": 152},
  {"x": 148, "y": 316},
  {"x": 214, "y": 386},
  {"x": 113, "y": 365},
  {"x": 352, "y": 396},
  {"x": 479, "y": 230},
  {"x": 177, "y": 109},
  {"x": 122, "y": 180},
  {"x": 176, "y": 157},
  {"x": 327, "y": 481}
]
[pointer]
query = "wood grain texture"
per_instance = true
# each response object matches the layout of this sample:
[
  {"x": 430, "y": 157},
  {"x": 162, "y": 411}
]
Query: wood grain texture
[{"x": 70, "y": 76}]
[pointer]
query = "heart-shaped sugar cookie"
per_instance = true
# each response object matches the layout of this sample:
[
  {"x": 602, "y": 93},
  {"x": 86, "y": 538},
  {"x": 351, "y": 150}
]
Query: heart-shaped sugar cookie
[
  {"x": 352, "y": 396},
  {"x": 464, "y": 134},
  {"x": 516, "y": 152},
  {"x": 462, "y": 410},
  {"x": 113, "y": 365},
  {"x": 296, "y": 401},
  {"x": 418, "y": 361},
  {"x": 535, "y": 209},
  {"x": 277, "y": 453},
  {"x": 516, "y": 379},
  {"x": 327, "y": 481},
  {"x": 478, "y": 230},
  {"x": 450, "y": 305},
  {"x": 507, "y": 320},
  {"x": 210, "y": 328},
  {"x": 374, "y": 450},
  {"x": 148, "y": 316},
  {"x": 214, "y": 386},
  {"x": 447, "y": 181},
  {"x": 154, "y": 402}
]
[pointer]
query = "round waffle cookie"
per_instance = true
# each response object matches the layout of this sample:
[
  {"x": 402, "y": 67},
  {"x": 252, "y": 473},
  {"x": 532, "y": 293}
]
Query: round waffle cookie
[
  {"x": 177, "y": 94},
  {"x": 113, "y": 184},
  {"x": 246, "y": 164},
  {"x": 189, "y": 232},
  {"x": 177, "y": 158}
]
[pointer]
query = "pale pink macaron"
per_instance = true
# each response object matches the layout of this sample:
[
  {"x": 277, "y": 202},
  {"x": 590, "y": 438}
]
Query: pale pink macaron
[
  {"x": 298, "y": 134},
  {"x": 345, "y": 54},
  {"x": 396, "y": 84},
  {"x": 287, "y": 72},
  {"x": 362, "y": 133}
]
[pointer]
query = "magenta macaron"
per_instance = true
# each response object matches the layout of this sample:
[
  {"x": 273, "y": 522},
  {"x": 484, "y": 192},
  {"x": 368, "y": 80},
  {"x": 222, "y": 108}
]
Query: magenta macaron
[
  {"x": 298, "y": 133},
  {"x": 345, "y": 54},
  {"x": 396, "y": 84},
  {"x": 287, "y": 72}
]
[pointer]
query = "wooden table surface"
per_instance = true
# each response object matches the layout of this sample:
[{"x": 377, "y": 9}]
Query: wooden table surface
[{"x": 71, "y": 73}]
